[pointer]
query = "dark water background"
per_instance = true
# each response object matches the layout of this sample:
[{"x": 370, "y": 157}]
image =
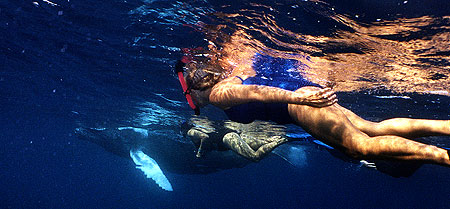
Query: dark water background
[{"x": 99, "y": 62}]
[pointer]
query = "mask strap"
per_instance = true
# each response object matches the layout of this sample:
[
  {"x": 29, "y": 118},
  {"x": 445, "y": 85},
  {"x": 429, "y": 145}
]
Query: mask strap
[{"x": 187, "y": 93}]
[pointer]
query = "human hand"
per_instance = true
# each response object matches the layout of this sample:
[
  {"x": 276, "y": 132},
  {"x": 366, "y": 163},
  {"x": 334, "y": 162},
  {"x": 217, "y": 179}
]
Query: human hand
[{"x": 316, "y": 97}]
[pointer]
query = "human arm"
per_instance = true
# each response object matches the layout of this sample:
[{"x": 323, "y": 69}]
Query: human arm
[
  {"x": 230, "y": 94},
  {"x": 201, "y": 140}
]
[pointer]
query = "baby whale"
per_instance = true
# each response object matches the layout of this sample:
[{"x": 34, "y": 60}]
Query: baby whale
[{"x": 156, "y": 151}]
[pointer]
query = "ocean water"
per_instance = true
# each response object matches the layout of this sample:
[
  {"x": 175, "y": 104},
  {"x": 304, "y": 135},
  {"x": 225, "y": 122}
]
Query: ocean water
[{"x": 102, "y": 64}]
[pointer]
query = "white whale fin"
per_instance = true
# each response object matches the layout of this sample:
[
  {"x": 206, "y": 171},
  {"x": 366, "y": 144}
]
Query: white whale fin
[{"x": 150, "y": 168}]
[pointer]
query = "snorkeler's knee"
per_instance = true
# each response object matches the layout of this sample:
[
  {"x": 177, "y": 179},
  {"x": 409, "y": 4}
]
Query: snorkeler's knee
[
  {"x": 357, "y": 154},
  {"x": 358, "y": 150}
]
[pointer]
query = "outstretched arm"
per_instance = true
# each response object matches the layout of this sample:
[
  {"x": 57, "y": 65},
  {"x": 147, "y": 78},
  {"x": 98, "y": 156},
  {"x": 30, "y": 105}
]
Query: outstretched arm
[{"x": 230, "y": 94}]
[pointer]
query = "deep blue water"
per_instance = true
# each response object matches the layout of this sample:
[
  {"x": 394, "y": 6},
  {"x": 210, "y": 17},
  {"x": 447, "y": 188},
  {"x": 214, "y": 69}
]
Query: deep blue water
[{"x": 109, "y": 63}]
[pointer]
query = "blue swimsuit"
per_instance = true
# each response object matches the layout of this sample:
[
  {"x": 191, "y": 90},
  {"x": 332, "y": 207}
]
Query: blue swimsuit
[{"x": 275, "y": 72}]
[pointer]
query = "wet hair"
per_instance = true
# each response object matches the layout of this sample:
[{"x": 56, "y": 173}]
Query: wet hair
[{"x": 201, "y": 76}]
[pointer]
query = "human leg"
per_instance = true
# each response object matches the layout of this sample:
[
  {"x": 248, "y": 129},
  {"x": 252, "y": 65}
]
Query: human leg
[
  {"x": 256, "y": 143},
  {"x": 331, "y": 125},
  {"x": 236, "y": 143},
  {"x": 405, "y": 127}
]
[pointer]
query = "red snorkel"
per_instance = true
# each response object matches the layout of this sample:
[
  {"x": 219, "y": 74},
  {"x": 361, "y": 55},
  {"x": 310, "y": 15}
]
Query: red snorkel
[{"x": 179, "y": 69}]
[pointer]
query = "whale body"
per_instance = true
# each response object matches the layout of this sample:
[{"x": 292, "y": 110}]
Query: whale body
[{"x": 153, "y": 153}]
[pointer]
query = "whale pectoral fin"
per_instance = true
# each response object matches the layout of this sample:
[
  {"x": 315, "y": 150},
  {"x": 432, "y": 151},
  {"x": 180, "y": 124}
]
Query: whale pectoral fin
[{"x": 150, "y": 168}]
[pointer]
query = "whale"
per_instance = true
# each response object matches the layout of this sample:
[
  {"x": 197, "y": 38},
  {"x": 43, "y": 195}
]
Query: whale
[{"x": 156, "y": 152}]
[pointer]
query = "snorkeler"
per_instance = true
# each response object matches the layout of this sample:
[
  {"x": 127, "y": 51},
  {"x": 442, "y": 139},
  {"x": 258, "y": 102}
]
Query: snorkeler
[
  {"x": 246, "y": 94},
  {"x": 208, "y": 137}
]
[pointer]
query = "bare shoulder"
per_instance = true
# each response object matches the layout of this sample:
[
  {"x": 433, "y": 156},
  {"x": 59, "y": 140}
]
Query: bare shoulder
[
  {"x": 221, "y": 89},
  {"x": 222, "y": 93}
]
